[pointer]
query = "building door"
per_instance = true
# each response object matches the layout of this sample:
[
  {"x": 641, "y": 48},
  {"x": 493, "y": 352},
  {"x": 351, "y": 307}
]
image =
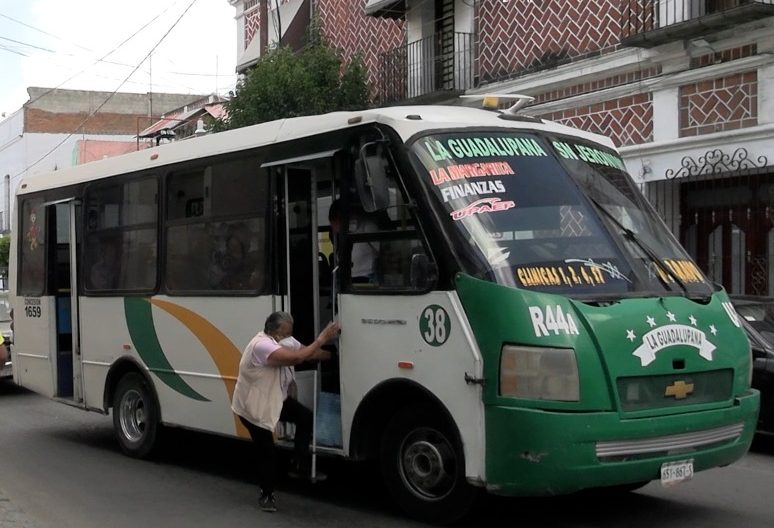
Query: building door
[
  {"x": 726, "y": 226},
  {"x": 444, "y": 52}
]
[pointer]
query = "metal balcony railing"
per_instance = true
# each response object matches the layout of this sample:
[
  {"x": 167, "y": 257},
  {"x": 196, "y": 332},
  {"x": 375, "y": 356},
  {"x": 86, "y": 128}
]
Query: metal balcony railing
[
  {"x": 649, "y": 23},
  {"x": 439, "y": 63}
]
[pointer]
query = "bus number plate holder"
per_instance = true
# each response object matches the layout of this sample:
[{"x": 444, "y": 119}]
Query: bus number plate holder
[{"x": 676, "y": 472}]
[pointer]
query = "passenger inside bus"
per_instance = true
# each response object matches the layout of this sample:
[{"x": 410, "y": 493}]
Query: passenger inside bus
[
  {"x": 364, "y": 255},
  {"x": 105, "y": 270},
  {"x": 234, "y": 267}
]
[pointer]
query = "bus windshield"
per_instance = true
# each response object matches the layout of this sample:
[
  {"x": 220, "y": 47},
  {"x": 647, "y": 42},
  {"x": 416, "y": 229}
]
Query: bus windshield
[{"x": 553, "y": 214}]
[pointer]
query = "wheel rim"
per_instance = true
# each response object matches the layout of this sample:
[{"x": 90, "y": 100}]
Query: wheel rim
[
  {"x": 133, "y": 416},
  {"x": 427, "y": 464}
]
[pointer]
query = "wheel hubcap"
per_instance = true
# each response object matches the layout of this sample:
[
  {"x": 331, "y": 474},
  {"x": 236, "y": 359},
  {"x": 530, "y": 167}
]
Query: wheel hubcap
[
  {"x": 132, "y": 416},
  {"x": 427, "y": 464}
]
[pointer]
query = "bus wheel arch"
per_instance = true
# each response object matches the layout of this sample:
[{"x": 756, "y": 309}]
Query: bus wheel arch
[
  {"x": 382, "y": 402},
  {"x": 419, "y": 448},
  {"x": 136, "y": 410}
]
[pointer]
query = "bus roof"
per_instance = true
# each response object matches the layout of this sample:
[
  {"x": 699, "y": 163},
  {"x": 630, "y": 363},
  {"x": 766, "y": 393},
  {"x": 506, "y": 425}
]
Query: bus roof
[{"x": 405, "y": 120}]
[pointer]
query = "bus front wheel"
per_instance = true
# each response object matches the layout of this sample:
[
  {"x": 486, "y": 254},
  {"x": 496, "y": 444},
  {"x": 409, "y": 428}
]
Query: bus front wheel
[
  {"x": 135, "y": 416},
  {"x": 424, "y": 466}
]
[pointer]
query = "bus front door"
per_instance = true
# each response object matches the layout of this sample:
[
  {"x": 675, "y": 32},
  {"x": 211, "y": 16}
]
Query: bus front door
[
  {"x": 63, "y": 286},
  {"x": 306, "y": 191}
]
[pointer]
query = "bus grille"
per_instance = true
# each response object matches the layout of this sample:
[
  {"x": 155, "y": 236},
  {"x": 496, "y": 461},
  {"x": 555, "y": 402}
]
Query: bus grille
[
  {"x": 639, "y": 393},
  {"x": 679, "y": 443}
]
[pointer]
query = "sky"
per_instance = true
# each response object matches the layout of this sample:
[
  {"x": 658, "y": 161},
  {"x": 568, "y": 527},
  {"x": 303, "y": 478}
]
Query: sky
[{"x": 48, "y": 43}]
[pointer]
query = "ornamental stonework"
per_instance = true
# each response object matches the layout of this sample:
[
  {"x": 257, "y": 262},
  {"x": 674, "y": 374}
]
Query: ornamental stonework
[
  {"x": 252, "y": 24},
  {"x": 626, "y": 120},
  {"x": 346, "y": 26},
  {"x": 517, "y": 35}
]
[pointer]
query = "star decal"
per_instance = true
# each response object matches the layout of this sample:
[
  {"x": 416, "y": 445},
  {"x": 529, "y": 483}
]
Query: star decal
[
  {"x": 630, "y": 335},
  {"x": 651, "y": 321},
  {"x": 693, "y": 320},
  {"x": 671, "y": 316},
  {"x": 713, "y": 330}
]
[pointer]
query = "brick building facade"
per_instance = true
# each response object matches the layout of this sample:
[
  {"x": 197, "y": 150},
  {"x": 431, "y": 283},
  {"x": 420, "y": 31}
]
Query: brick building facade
[
  {"x": 60, "y": 128},
  {"x": 685, "y": 88}
]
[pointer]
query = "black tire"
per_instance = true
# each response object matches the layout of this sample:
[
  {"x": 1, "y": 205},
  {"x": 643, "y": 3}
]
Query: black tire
[
  {"x": 135, "y": 416},
  {"x": 424, "y": 466}
]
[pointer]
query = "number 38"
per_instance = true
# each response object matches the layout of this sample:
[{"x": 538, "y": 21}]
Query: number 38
[{"x": 435, "y": 325}]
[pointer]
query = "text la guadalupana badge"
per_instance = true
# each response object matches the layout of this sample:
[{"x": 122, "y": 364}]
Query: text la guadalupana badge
[{"x": 671, "y": 334}]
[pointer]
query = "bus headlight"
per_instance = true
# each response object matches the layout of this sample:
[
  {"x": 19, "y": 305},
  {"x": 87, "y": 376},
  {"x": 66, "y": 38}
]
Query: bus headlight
[{"x": 539, "y": 373}]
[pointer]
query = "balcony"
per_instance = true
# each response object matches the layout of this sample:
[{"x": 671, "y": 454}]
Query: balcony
[
  {"x": 648, "y": 23},
  {"x": 433, "y": 68}
]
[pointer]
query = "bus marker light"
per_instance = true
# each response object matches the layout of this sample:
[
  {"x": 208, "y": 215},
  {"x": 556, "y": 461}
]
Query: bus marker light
[
  {"x": 406, "y": 364},
  {"x": 127, "y": 346},
  {"x": 490, "y": 102},
  {"x": 154, "y": 157}
]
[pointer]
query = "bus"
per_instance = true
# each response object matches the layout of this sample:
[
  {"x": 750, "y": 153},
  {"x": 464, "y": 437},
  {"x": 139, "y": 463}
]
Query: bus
[{"x": 529, "y": 326}]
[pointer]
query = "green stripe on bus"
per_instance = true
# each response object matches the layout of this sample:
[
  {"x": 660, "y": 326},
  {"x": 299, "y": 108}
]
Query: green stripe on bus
[{"x": 139, "y": 320}]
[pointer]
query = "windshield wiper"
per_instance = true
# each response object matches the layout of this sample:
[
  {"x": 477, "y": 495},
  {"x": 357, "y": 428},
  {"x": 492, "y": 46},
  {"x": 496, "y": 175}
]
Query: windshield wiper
[{"x": 631, "y": 235}]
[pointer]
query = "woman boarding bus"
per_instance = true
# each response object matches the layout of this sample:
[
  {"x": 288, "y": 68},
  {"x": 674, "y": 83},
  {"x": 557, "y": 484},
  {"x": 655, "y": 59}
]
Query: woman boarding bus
[{"x": 531, "y": 326}]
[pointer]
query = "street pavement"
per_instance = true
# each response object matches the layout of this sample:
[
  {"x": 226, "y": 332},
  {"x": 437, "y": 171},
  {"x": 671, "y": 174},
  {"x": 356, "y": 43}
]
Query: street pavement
[
  {"x": 60, "y": 467},
  {"x": 11, "y": 516}
]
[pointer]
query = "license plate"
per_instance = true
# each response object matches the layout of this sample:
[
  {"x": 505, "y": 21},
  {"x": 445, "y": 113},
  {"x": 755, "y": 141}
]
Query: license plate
[{"x": 675, "y": 472}]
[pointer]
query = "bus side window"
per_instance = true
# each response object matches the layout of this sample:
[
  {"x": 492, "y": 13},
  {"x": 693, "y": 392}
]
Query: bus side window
[
  {"x": 390, "y": 235},
  {"x": 216, "y": 228},
  {"x": 121, "y": 236}
]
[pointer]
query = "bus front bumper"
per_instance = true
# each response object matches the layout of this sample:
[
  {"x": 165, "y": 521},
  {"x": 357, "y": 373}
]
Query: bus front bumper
[{"x": 537, "y": 452}]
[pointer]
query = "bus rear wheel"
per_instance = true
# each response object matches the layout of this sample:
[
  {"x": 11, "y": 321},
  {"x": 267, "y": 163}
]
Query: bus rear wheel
[
  {"x": 135, "y": 416},
  {"x": 424, "y": 467}
]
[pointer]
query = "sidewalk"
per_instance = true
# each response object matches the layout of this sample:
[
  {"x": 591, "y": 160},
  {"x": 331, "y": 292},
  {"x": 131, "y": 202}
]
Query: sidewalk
[{"x": 11, "y": 516}]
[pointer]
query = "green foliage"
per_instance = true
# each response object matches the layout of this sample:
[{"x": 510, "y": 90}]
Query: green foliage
[
  {"x": 286, "y": 84},
  {"x": 5, "y": 247}
]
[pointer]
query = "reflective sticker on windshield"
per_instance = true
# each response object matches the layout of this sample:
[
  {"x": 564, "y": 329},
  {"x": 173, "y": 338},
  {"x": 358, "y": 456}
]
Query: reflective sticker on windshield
[
  {"x": 656, "y": 338},
  {"x": 450, "y": 173},
  {"x": 589, "y": 155},
  {"x": 485, "y": 205},
  {"x": 454, "y": 192},
  {"x": 685, "y": 270},
  {"x": 575, "y": 272},
  {"x": 476, "y": 147}
]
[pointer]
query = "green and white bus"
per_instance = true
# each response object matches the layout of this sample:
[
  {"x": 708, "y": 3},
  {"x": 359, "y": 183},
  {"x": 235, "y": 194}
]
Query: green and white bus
[{"x": 530, "y": 326}]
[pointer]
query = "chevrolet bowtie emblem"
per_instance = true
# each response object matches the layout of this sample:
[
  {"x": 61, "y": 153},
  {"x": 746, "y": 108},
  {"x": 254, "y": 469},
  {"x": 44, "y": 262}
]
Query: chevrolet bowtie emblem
[{"x": 679, "y": 389}]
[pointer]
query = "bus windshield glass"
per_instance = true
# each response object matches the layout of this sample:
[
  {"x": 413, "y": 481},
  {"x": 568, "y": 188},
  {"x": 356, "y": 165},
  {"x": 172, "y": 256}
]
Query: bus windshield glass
[{"x": 554, "y": 214}]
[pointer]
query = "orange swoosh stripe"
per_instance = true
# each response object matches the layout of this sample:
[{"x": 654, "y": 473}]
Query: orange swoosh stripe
[{"x": 223, "y": 352}]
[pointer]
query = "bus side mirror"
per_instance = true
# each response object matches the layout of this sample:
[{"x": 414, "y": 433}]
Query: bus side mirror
[
  {"x": 371, "y": 177},
  {"x": 424, "y": 273}
]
